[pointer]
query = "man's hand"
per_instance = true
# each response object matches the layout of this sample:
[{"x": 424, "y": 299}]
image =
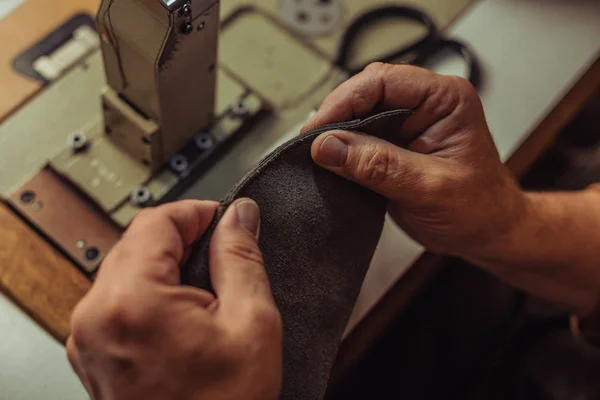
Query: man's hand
[
  {"x": 448, "y": 188},
  {"x": 138, "y": 334}
]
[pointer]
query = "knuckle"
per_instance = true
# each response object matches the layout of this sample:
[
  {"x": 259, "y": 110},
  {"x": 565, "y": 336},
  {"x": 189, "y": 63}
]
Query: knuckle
[
  {"x": 362, "y": 100},
  {"x": 376, "y": 165},
  {"x": 144, "y": 215},
  {"x": 245, "y": 251},
  {"x": 443, "y": 97},
  {"x": 118, "y": 313},
  {"x": 71, "y": 351},
  {"x": 364, "y": 97},
  {"x": 81, "y": 326},
  {"x": 464, "y": 87},
  {"x": 376, "y": 67}
]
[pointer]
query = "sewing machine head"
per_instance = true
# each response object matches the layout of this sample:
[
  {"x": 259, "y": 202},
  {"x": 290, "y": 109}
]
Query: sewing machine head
[{"x": 160, "y": 60}]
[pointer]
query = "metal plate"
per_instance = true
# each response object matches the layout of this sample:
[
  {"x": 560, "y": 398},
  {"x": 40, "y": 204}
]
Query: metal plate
[
  {"x": 38, "y": 131},
  {"x": 198, "y": 157},
  {"x": 103, "y": 171},
  {"x": 66, "y": 219},
  {"x": 249, "y": 150},
  {"x": 312, "y": 17},
  {"x": 270, "y": 60},
  {"x": 159, "y": 186}
]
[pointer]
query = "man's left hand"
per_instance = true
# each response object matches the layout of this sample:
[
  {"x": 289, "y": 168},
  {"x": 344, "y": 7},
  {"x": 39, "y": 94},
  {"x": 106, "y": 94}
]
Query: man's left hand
[{"x": 139, "y": 334}]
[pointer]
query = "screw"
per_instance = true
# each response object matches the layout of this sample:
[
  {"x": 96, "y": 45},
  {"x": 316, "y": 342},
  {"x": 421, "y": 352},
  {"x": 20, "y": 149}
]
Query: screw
[
  {"x": 239, "y": 109},
  {"x": 27, "y": 197},
  {"x": 141, "y": 196},
  {"x": 92, "y": 253},
  {"x": 78, "y": 142},
  {"x": 179, "y": 163},
  {"x": 201, "y": 26},
  {"x": 185, "y": 11},
  {"x": 187, "y": 28},
  {"x": 204, "y": 141},
  {"x": 80, "y": 244}
]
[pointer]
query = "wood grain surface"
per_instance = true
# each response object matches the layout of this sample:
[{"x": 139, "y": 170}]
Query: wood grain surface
[
  {"x": 23, "y": 28},
  {"x": 36, "y": 277}
]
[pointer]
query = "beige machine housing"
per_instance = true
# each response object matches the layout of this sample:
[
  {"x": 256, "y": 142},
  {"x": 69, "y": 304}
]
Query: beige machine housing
[{"x": 160, "y": 60}]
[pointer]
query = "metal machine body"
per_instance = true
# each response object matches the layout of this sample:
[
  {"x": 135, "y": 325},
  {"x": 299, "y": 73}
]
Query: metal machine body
[{"x": 160, "y": 60}]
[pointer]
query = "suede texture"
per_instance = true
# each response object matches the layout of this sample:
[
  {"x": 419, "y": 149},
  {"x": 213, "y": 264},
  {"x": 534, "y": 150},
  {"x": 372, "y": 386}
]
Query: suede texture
[{"x": 318, "y": 236}]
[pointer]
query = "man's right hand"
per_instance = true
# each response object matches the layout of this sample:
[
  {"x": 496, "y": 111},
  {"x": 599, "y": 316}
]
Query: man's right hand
[{"x": 448, "y": 189}]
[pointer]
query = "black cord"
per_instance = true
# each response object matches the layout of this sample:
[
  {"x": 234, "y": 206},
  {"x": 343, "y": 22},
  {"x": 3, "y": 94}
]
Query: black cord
[
  {"x": 468, "y": 56},
  {"x": 416, "y": 53},
  {"x": 374, "y": 16}
]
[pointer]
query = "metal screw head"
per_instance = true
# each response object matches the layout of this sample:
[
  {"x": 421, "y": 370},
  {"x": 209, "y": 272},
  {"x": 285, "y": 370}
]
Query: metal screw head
[
  {"x": 239, "y": 109},
  {"x": 204, "y": 141},
  {"x": 187, "y": 28},
  {"x": 27, "y": 197},
  {"x": 179, "y": 163},
  {"x": 141, "y": 196},
  {"x": 78, "y": 142},
  {"x": 185, "y": 11},
  {"x": 201, "y": 26},
  {"x": 92, "y": 253},
  {"x": 80, "y": 244}
]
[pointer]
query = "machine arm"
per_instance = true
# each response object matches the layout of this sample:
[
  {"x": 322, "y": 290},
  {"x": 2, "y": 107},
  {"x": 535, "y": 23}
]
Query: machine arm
[{"x": 160, "y": 59}]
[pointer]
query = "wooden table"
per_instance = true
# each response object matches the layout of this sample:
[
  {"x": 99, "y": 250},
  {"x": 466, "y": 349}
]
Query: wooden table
[{"x": 41, "y": 18}]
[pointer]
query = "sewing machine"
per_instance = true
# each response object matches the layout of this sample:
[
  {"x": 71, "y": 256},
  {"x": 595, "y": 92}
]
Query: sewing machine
[{"x": 140, "y": 112}]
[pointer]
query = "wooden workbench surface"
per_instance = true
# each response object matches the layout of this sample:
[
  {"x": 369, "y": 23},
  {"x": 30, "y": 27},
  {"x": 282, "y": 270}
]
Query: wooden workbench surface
[
  {"x": 35, "y": 276},
  {"x": 23, "y": 28}
]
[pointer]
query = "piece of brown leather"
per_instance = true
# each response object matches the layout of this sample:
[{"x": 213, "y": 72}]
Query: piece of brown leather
[{"x": 318, "y": 235}]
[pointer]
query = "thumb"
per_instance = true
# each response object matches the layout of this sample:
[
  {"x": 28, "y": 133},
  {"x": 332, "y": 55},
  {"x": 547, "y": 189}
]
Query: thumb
[
  {"x": 389, "y": 170},
  {"x": 236, "y": 264}
]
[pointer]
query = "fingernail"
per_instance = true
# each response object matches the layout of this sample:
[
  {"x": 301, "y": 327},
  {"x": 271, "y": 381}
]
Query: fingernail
[
  {"x": 248, "y": 216},
  {"x": 333, "y": 152}
]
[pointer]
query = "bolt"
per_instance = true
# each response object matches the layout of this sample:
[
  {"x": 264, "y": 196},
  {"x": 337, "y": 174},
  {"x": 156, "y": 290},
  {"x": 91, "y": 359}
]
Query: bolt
[
  {"x": 204, "y": 141},
  {"x": 239, "y": 109},
  {"x": 141, "y": 196},
  {"x": 187, "y": 28},
  {"x": 78, "y": 142},
  {"x": 185, "y": 11},
  {"x": 92, "y": 253},
  {"x": 179, "y": 163},
  {"x": 27, "y": 197}
]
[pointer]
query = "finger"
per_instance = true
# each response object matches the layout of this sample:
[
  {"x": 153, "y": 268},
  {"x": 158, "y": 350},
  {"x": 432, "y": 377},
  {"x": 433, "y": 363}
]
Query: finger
[
  {"x": 431, "y": 96},
  {"x": 73, "y": 356},
  {"x": 155, "y": 243},
  {"x": 236, "y": 264},
  {"x": 391, "y": 171}
]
